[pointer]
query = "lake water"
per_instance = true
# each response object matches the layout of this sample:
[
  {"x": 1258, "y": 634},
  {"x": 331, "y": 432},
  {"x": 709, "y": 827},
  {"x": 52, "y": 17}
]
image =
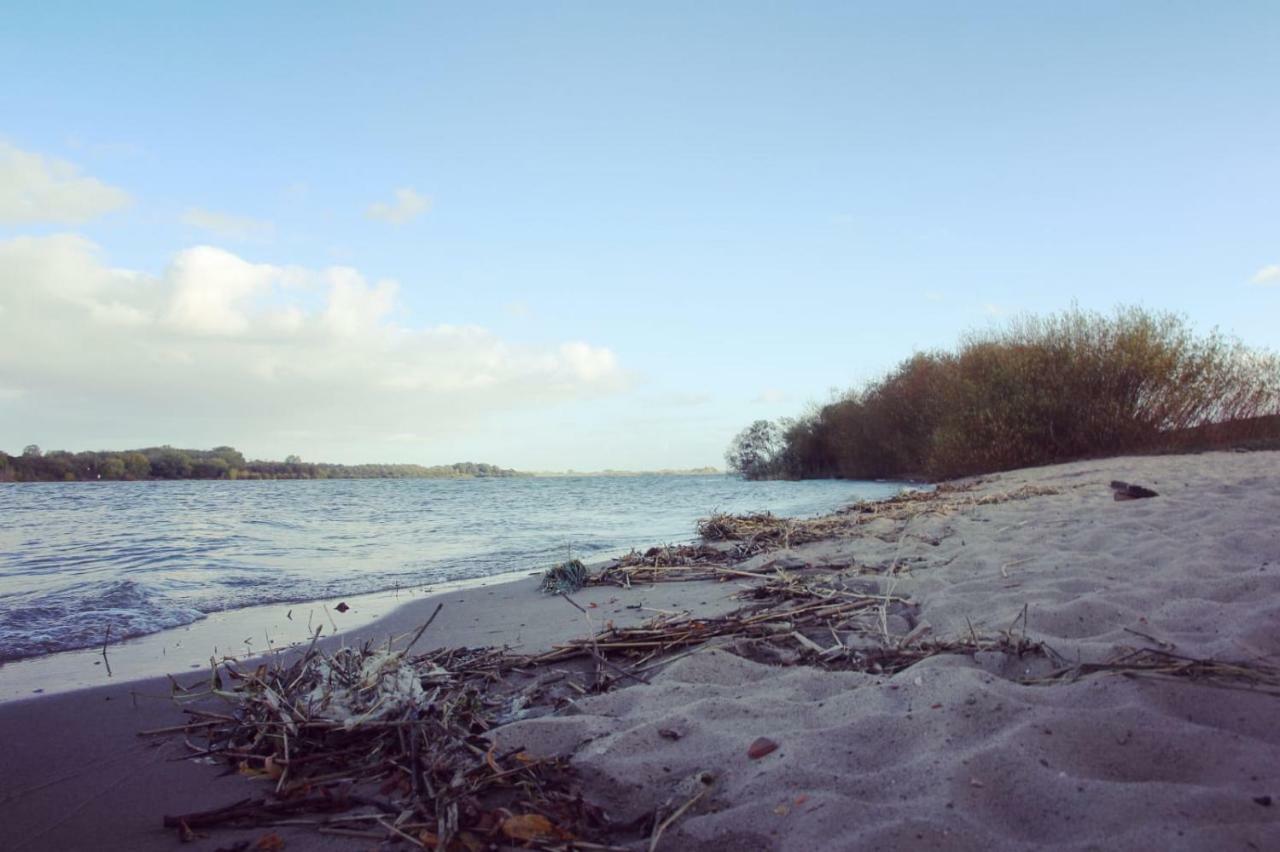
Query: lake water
[{"x": 145, "y": 556}]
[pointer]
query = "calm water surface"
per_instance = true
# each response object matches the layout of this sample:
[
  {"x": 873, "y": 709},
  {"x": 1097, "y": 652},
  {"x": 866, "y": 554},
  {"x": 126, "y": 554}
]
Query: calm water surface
[{"x": 145, "y": 556}]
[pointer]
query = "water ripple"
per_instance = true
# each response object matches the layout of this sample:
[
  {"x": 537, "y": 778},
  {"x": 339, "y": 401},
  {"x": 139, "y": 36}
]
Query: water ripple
[{"x": 144, "y": 556}]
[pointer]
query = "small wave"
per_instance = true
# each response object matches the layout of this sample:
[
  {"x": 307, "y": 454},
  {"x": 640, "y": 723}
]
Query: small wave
[{"x": 79, "y": 618}]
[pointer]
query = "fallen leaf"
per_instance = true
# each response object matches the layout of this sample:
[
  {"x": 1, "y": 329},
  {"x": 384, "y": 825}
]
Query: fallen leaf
[
  {"x": 761, "y": 747},
  {"x": 801, "y": 799},
  {"x": 269, "y": 843},
  {"x": 532, "y": 827},
  {"x": 782, "y": 810}
]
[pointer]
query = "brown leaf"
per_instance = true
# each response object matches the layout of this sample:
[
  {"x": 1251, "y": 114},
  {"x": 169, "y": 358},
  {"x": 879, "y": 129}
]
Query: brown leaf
[
  {"x": 761, "y": 747},
  {"x": 270, "y": 842},
  {"x": 532, "y": 827}
]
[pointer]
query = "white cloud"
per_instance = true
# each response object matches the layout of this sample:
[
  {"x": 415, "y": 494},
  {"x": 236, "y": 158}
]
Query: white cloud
[
  {"x": 210, "y": 290},
  {"x": 228, "y": 226},
  {"x": 1267, "y": 276},
  {"x": 407, "y": 205},
  {"x": 217, "y": 348},
  {"x": 37, "y": 189}
]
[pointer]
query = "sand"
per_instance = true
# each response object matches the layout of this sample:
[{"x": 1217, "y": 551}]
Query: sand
[{"x": 952, "y": 753}]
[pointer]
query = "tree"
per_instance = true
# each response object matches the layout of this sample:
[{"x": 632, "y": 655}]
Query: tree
[
  {"x": 31, "y": 451},
  {"x": 293, "y": 460},
  {"x": 112, "y": 467},
  {"x": 171, "y": 464},
  {"x": 754, "y": 451},
  {"x": 137, "y": 466}
]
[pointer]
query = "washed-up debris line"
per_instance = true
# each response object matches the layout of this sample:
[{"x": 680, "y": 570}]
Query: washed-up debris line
[
  {"x": 728, "y": 540},
  {"x": 391, "y": 746}
]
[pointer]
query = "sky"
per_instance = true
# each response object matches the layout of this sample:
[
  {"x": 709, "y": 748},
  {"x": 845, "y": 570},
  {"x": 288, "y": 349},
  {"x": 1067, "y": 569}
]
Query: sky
[{"x": 572, "y": 235}]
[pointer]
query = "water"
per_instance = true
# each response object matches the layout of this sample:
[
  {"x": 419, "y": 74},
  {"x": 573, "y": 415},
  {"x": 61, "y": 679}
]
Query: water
[{"x": 145, "y": 556}]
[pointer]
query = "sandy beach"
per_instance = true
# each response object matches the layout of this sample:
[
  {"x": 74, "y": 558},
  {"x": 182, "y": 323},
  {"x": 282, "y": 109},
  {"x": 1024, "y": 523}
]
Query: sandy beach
[{"x": 960, "y": 751}]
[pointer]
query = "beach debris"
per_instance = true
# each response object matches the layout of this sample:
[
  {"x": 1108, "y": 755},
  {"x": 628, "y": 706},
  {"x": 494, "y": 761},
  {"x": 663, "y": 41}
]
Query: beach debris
[
  {"x": 565, "y": 578},
  {"x": 727, "y": 540},
  {"x": 760, "y": 747},
  {"x": 387, "y": 743},
  {"x": 342, "y": 606},
  {"x": 701, "y": 783},
  {"x": 1129, "y": 491},
  {"x": 1150, "y": 662}
]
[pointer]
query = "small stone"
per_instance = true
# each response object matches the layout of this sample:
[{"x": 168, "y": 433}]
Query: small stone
[
  {"x": 669, "y": 734},
  {"x": 761, "y": 747},
  {"x": 342, "y": 607}
]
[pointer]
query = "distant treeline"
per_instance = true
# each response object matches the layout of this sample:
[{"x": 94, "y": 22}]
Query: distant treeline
[
  {"x": 219, "y": 463},
  {"x": 1041, "y": 390},
  {"x": 684, "y": 471}
]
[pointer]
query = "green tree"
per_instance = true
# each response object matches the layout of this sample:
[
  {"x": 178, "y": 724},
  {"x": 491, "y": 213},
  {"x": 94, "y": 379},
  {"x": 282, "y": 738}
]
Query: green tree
[
  {"x": 31, "y": 451},
  {"x": 754, "y": 450},
  {"x": 136, "y": 465},
  {"x": 171, "y": 464},
  {"x": 112, "y": 467}
]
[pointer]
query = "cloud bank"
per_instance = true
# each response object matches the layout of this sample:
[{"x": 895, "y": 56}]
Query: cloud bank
[
  {"x": 35, "y": 189},
  {"x": 217, "y": 345}
]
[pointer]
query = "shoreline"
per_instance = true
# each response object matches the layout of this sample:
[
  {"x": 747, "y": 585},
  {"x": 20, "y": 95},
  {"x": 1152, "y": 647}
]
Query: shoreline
[
  {"x": 956, "y": 751},
  {"x": 179, "y": 650}
]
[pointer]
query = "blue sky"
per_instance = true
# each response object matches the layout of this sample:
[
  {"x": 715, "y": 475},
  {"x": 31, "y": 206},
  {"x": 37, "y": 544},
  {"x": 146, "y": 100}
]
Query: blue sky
[{"x": 621, "y": 234}]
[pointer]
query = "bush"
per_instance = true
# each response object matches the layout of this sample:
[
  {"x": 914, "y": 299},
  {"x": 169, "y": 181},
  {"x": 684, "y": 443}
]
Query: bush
[{"x": 1039, "y": 391}]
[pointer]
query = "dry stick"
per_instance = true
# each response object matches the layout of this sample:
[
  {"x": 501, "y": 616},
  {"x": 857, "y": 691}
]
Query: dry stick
[
  {"x": 104, "y": 649},
  {"x": 892, "y": 584},
  {"x": 422, "y": 629},
  {"x": 591, "y": 630},
  {"x": 662, "y": 826}
]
